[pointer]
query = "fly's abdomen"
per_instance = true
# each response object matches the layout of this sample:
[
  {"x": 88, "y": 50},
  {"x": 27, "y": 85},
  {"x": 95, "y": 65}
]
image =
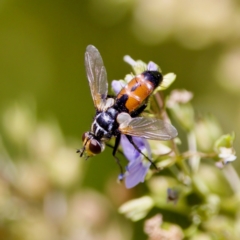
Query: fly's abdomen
[{"x": 138, "y": 90}]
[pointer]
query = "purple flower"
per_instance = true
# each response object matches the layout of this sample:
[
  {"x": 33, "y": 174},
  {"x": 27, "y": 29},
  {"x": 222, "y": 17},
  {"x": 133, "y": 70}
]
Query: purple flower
[
  {"x": 152, "y": 66},
  {"x": 117, "y": 86},
  {"x": 138, "y": 165}
]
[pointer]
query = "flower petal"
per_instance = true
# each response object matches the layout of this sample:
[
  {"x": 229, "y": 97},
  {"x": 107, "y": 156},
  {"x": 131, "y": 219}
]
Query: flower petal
[
  {"x": 137, "y": 167},
  {"x": 130, "y": 151},
  {"x": 152, "y": 66},
  {"x": 117, "y": 85},
  {"x": 230, "y": 158},
  {"x": 136, "y": 173}
]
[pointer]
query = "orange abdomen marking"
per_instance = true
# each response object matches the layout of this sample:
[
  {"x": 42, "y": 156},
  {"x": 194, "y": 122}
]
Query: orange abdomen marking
[{"x": 137, "y": 90}]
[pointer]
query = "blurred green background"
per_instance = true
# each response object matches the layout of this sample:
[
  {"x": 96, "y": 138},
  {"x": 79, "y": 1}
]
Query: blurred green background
[{"x": 46, "y": 105}]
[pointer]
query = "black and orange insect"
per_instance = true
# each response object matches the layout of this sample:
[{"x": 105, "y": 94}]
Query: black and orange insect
[{"x": 120, "y": 115}]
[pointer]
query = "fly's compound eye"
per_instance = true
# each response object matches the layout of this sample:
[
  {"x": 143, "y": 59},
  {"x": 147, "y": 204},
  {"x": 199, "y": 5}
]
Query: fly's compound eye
[
  {"x": 84, "y": 136},
  {"x": 95, "y": 146}
]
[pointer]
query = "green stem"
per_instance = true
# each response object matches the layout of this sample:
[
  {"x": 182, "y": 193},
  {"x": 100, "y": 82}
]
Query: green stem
[{"x": 192, "y": 146}]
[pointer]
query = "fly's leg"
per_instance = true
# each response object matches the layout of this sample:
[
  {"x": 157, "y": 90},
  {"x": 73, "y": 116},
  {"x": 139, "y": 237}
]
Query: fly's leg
[
  {"x": 115, "y": 148},
  {"x": 137, "y": 148}
]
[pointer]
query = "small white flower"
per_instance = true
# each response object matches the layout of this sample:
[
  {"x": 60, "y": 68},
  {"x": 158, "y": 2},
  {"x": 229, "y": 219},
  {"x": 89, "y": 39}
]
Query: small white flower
[{"x": 227, "y": 154}]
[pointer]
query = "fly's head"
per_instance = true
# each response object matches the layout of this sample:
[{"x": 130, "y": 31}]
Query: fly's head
[{"x": 91, "y": 145}]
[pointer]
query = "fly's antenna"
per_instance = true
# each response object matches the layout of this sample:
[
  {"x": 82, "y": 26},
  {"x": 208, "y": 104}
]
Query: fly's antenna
[{"x": 81, "y": 151}]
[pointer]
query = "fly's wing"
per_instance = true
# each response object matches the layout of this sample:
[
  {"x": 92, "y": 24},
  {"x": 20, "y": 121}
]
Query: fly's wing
[
  {"x": 97, "y": 76},
  {"x": 149, "y": 128}
]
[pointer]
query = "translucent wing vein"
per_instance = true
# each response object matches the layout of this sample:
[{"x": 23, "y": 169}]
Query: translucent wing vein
[
  {"x": 149, "y": 128},
  {"x": 97, "y": 76}
]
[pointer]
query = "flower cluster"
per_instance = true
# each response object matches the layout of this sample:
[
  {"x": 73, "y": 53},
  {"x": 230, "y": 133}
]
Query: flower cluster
[{"x": 196, "y": 186}]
